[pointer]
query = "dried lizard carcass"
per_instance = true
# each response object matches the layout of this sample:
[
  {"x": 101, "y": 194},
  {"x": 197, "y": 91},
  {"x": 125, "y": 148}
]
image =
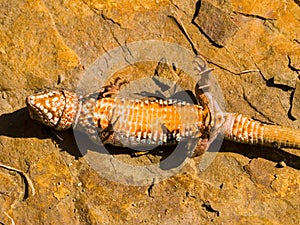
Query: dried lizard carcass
[{"x": 132, "y": 122}]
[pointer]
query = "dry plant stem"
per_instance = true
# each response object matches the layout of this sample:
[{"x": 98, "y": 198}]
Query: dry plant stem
[
  {"x": 11, "y": 219},
  {"x": 28, "y": 180}
]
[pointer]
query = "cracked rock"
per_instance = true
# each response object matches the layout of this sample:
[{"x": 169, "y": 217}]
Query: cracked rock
[
  {"x": 287, "y": 79},
  {"x": 295, "y": 112},
  {"x": 215, "y": 23}
]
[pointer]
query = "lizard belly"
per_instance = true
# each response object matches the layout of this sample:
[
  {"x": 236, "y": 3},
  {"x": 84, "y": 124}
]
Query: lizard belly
[{"x": 140, "y": 122}]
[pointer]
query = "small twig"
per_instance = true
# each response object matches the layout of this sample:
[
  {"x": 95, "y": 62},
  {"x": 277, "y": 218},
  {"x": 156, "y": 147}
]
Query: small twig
[
  {"x": 24, "y": 175},
  {"x": 231, "y": 71},
  {"x": 248, "y": 71},
  {"x": 11, "y": 219}
]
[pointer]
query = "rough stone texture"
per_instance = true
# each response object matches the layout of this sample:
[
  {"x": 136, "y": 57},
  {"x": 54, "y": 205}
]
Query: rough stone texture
[
  {"x": 295, "y": 106},
  {"x": 215, "y": 23},
  {"x": 51, "y": 44}
]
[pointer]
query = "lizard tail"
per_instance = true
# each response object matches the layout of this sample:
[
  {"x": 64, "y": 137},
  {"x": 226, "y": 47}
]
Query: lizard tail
[{"x": 243, "y": 129}]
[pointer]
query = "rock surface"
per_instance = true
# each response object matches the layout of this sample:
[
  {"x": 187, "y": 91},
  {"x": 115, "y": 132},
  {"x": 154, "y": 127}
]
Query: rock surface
[{"x": 53, "y": 44}]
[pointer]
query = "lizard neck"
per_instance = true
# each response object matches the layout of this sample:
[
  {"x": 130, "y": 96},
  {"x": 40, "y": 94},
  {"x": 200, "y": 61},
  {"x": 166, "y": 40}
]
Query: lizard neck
[{"x": 70, "y": 111}]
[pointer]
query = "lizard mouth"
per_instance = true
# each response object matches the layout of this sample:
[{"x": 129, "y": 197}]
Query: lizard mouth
[
  {"x": 55, "y": 109},
  {"x": 39, "y": 112},
  {"x": 35, "y": 110}
]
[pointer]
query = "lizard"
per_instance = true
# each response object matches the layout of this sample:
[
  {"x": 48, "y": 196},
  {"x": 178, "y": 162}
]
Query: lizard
[{"x": 139, "y": 122}]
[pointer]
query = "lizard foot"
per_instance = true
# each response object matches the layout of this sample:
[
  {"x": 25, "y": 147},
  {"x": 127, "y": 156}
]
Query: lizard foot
[
  {"x": 201, "y": 147},
  {"x": 112, "y": 89}
]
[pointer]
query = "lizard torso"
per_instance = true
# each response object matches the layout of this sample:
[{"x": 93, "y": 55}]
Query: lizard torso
[
  {"x": 126, "y": 122},
  {"x": 121, "y": 121}
]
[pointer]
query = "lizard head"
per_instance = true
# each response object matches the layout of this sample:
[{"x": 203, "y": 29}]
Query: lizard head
[{"x": 55, "y": 109}]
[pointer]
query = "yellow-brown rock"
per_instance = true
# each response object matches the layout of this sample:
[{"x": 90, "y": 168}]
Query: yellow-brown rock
[{"x": 52, "y": 44}]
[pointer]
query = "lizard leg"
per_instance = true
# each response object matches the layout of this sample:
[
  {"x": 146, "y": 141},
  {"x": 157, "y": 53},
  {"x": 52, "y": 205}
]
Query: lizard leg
[
  {"x": 202, "y": 95},
  {"x": 203, "y": 83},
  {"x": 201, "y": 147},
  {"x": 112, "y": 89}
]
